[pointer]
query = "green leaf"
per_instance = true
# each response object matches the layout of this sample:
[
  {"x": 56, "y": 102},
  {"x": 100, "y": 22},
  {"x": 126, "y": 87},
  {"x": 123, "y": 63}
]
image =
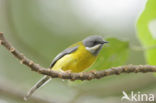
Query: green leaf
[
  {"x": 146, "y": 27},
  {"x": 113, "y": 54}
]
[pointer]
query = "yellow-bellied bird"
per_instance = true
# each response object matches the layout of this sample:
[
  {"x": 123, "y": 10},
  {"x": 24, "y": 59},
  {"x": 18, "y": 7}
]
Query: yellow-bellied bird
[{"x": 75, "y": 58}]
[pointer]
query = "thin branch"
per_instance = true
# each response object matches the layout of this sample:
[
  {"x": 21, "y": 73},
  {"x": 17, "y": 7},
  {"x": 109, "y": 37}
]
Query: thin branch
[{"x": 74, "y": 76}]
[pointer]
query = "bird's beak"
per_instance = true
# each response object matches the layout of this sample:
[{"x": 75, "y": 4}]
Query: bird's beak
[{"x": 104, "y": 42}]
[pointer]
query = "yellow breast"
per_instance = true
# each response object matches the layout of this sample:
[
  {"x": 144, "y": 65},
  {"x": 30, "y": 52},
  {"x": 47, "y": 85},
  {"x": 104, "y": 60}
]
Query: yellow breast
[{"x": 76, "y": 61}]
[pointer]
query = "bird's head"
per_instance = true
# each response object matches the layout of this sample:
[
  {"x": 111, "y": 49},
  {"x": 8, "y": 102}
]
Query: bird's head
[{"x": 94, "y": 44}]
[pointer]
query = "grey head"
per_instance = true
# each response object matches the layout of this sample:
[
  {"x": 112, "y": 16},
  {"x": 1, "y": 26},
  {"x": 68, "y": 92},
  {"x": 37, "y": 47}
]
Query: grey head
[{"x": 94, "y": 44}]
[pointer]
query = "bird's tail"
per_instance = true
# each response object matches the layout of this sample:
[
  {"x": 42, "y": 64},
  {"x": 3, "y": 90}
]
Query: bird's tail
[{"x": 39, "y": 84}]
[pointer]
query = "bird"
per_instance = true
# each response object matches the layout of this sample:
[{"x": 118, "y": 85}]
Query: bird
[{"x": 76, "y": 58}]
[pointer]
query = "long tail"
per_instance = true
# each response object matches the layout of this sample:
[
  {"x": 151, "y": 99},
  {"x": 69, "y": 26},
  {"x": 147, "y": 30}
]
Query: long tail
[{"x": 39, "y": 84}]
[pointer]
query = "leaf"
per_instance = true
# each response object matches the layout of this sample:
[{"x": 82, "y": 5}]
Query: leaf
[{"x": 146, "y": 27}]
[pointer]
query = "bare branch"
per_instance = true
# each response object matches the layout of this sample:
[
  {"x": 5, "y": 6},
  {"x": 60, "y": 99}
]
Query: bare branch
[{"x": 74, "y": 76}]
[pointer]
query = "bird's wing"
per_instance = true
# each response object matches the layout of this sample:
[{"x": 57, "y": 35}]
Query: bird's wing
[{"x": 63, "y": 53}]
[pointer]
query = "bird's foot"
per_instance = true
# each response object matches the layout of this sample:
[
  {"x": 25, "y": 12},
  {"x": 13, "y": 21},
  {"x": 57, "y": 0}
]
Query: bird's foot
[
  {"x": 68, "y": 71},
  {"x": 92, "y": 71}
]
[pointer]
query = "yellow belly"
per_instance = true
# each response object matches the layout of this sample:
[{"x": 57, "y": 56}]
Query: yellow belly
[{"x": 77, "y": 61}]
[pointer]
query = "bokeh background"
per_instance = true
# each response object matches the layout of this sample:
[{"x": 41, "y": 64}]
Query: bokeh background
[{"x": 42, "y": 28}]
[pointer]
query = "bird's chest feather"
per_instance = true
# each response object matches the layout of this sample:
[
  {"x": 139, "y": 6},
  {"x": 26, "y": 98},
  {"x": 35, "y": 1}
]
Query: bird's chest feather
[
  {"x": 76, "y": 61},
  {"x": 79, "y": 60}
]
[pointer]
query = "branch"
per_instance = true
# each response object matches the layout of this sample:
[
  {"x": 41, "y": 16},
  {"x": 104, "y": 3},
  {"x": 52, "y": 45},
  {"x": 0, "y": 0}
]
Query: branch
[{"x": 74, "y": 76}]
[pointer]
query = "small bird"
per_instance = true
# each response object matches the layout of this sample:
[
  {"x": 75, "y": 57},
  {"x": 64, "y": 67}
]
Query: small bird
[{"x": 76, "y": 58}]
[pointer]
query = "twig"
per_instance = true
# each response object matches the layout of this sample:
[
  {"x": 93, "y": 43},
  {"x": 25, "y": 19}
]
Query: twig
[{"x": 75, "y": 76}]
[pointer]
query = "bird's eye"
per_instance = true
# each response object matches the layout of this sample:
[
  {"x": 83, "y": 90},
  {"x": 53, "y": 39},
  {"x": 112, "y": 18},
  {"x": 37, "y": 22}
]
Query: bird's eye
[{"x": 95, "y": 43}]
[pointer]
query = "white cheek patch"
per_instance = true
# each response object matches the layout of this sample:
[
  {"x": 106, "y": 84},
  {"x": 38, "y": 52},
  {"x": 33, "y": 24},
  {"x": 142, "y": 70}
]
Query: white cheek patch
[
  {"x": 152, "y": 28},
  {"x": 93, "y": 49}
]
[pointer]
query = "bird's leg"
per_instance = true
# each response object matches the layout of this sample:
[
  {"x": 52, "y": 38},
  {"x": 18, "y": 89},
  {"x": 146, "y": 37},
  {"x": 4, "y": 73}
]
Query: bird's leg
[
  {"x": 68, "y": 71},
  {"x": 62, "y": 71},
  {"x": 93, "y": 71}
]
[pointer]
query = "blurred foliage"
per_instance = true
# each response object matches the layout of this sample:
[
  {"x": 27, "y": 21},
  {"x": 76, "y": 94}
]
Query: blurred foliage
[{"x": 146, "y": 36}]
